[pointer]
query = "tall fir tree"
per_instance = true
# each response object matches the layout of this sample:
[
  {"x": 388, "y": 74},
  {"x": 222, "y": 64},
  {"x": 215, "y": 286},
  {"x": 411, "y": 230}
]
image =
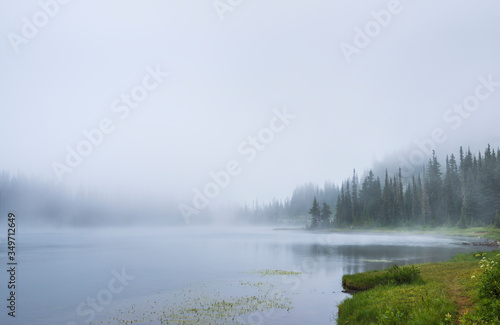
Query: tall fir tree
[
  {"x": 325, "y": 216},
  {"x": 354, "y": 198},
  {"x": 434, "y": 190},
  {"x": 315, "y": 213}
]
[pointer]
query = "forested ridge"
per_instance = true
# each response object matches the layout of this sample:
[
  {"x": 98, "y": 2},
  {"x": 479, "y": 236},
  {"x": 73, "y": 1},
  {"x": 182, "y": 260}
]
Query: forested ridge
[{"x": 464, "y": 192}]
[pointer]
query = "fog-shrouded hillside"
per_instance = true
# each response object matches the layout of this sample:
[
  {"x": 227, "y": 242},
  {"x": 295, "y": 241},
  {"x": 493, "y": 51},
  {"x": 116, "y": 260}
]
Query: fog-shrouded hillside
[{"x": 459, "y": 189}]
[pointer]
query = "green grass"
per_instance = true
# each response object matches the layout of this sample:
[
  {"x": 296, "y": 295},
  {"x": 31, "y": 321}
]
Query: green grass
[
  {"x": 448, "y": 290},
  {"x": 393, "y": 275},
  {"x": 364, "y": 281},
  {"x": 408, "y": 304}
]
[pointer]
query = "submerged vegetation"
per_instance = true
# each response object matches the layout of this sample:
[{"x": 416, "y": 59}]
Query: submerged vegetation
[
  {"x": 277, "y": 272},
  {"x": 463, "y": 290},
  {"x": 244, "y": 302}
]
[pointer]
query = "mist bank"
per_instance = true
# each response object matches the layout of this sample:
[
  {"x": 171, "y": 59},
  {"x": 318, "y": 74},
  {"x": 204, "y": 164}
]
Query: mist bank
[
  {"x": 461, "y": 190},
  {"x": 45, "y": 204},
  {"x": 41, "y": 203}
]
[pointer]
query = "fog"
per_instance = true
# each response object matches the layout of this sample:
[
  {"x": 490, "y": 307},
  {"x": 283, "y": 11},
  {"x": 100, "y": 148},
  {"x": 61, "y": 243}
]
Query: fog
[
  {"x": 178, "y": 120},
  {"x": 157, "y": 98}
]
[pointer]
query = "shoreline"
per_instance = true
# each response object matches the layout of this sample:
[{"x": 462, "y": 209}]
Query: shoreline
[{"x": 446, "y": 294}]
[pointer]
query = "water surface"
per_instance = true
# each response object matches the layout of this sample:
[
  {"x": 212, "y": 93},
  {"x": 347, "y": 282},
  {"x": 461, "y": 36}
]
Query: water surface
[{"x": 61, "y": 270}]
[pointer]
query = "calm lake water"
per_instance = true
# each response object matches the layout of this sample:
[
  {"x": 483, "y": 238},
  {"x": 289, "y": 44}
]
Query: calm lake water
[{"x": 108, "y": 276}]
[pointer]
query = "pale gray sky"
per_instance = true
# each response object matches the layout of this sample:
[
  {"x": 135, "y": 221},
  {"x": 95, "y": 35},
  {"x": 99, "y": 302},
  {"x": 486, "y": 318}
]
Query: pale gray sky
[{"x": 225, "y": 78}]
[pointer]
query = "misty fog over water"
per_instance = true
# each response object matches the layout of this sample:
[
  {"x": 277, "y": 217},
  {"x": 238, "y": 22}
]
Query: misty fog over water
[{"x": 158, "y": 268}]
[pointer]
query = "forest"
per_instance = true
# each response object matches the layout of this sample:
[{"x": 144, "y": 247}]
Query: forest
[{"x": 462, "y": 191}]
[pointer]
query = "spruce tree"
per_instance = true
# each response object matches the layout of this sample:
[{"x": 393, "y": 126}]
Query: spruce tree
[
  {"x": 451, "y": 188},
  {"x": 315, "y": 214},
  {"x": 325, "y": 215},
  {"x": 426, "y": 207},
  {"x": 338, "y": 211},
  {"x": 386, "y": 201},
  {"x": 348, "y": 204},
  {"x": 354, "y": 197},
  {"x": 434, "y": 190}
]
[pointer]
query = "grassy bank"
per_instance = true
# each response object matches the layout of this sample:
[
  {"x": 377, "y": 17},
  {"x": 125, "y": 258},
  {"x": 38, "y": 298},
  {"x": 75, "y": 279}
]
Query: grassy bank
[{"x": 444, "y": 293}]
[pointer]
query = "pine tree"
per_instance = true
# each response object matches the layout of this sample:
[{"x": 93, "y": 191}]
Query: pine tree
[
  {"x": 489, "y": 185},
  {"x": 338, "y": 210},
  {"x": 348, "y": 204},
  {"x": 469, "y": 191},
  {"x": 376, "y": 205},
  {"x": 434, "y": 190},
  {"x": 399, "y": 198},
  {"x": 463, "y": 218},
  {"x": 426, "y": 207},
  {"x": 408, "y": 202},
  {"x": 416, "y": 205},
  {"x": 451, "y": 190},
  {"x": 386, "y": 201},
  {"x": 325, "y": 215},
  {"x": 354, "y": 198},
  {"x": 315, "y": 214},
  {"x": 341, "y": 213},
  {"x": 497, "y": 220}
]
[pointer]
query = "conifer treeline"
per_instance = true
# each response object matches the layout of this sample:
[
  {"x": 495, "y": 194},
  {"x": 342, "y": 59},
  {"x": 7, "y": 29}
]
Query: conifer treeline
[
  {"x": 464, "y": 193},
  {"x": 291, "y": 208}
]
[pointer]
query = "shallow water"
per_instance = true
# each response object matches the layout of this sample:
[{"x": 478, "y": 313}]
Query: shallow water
[{"x": 61, "y": 273}]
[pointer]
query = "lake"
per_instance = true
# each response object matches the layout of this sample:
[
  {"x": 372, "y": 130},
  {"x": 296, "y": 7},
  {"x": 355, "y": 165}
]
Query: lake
[{"x": 151, "y": 275}]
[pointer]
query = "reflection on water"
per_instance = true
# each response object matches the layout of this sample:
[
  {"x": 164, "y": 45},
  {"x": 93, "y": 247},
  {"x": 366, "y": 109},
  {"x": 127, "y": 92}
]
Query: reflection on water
[{"x": 59, "y": 271}]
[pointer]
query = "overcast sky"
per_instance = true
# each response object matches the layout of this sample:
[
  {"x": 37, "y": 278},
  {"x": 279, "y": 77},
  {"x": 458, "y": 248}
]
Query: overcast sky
[{"x": 327, "y": 85}]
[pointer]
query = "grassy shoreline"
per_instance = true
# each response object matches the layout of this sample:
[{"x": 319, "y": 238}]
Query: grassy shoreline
[{"x": 446, "y": 294}]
